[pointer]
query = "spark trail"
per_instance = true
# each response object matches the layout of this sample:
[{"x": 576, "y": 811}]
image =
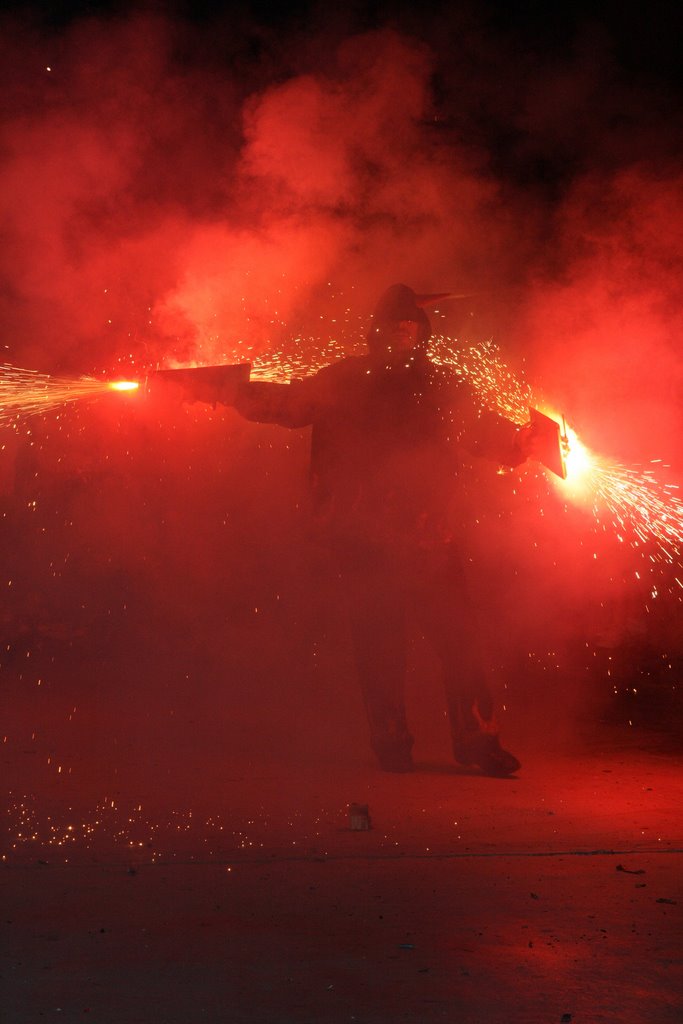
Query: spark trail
[
  {"x": 25, "y": 393},
  {"x": 496, "y": 386},
  {"x": 304, "y": 356},
  {"x": 492, "y": 381},
  {"x": 628, "y": 503},
  {"x": 637, "y": 507}
]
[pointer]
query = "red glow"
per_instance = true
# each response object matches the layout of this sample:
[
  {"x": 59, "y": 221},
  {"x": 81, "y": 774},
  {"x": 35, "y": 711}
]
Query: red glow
[{"x": 580, "y": 463}]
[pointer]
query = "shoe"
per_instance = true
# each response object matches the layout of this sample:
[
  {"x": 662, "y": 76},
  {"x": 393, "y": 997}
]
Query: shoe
[{"x": 485, "y": 751}]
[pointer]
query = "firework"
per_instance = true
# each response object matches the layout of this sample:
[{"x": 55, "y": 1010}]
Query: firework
[
  {"x": 628, "y": 503},
  {"x": 637, "y": 507},
  {"x": 25, "y": 393}
]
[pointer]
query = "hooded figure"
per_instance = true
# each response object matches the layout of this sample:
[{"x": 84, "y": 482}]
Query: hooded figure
[
  {"x": 399, "y": 305},
  {"x": 391, "y": 437}
]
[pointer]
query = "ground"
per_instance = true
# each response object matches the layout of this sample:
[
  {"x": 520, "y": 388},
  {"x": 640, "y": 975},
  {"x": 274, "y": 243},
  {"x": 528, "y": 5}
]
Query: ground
[{"x": 553, "y": 896}]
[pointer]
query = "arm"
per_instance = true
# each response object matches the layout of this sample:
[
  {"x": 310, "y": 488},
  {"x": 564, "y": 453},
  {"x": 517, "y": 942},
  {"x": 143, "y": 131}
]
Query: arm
[
  {"x": 498, "y": 439},
  {"x": 288, "y": 405},
  {"x": 297, "y": 404}
]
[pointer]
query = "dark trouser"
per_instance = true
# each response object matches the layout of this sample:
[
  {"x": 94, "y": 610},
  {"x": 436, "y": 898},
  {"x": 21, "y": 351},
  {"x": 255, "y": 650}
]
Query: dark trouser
[{"x": 384, "y": 587}]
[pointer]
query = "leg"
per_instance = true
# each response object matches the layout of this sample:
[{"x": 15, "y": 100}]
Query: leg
[
  {"x": 452, "y": 625},
  {"x": 377, "y": 613}
]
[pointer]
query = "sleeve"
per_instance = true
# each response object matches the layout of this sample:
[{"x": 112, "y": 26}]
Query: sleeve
[
  {"x": 483, "y": 433},
  {"x": 287, "y": 405},
  {"x": 496, "y": 438}
]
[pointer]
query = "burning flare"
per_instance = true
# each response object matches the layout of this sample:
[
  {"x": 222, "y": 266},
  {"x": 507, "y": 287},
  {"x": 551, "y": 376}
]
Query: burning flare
[{"x": 25, "y": 393}]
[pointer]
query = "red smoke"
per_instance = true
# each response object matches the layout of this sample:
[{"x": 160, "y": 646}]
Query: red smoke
[
  {"x": 148, "y": 201},
  {"x": 174, "y": 192},
  {"x": 605, "y": 333}
]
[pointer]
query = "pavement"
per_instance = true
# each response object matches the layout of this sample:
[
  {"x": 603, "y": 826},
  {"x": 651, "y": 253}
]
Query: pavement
[{"x": 546, "y": 898}]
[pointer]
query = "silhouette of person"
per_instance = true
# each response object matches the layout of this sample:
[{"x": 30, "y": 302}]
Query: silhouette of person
[{"x": 392, "y": 433}]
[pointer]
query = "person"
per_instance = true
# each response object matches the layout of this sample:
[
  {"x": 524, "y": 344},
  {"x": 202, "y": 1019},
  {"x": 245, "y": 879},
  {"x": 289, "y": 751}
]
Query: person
[{"x": 392, "y": 435}]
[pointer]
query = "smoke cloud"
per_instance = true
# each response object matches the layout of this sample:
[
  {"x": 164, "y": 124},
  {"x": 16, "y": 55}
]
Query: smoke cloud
[{"x": 196, "y": 191}]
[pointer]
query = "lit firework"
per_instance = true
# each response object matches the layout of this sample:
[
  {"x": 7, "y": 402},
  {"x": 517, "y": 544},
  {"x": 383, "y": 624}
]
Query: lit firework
[
  {"x": 25, "y": 393},
  {"x": 643, "y": 511}
]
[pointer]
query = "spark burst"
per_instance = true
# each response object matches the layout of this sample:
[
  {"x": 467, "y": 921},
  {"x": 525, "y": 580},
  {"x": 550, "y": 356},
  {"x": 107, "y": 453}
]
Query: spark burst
[
  {"x": 494, "y": 383},
  {"x": 627, "y": 502},
  {"x": 641, "y": 510},
  {"x": 304, "y": 356},
  {"x": 25, "y": 393}
]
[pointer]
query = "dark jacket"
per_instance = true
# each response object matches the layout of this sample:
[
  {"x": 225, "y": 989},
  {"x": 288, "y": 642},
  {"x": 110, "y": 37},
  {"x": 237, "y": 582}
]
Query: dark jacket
[{"x": 390, "y": 446}]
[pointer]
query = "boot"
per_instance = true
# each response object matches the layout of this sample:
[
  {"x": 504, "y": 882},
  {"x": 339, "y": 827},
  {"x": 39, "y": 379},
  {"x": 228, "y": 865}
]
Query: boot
[{"x": 484, "y": 750}]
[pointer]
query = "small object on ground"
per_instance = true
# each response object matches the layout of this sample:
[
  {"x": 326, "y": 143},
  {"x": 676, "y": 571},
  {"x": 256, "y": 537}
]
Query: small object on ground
[
  {"x": 565, "y": 1018},
  {"x": 663, "y": 899},
  {"x": 359, "y": 818}
]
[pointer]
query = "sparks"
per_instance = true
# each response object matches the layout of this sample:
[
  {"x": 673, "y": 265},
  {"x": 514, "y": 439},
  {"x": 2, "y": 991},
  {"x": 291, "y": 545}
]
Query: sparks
[
  {"x": 496, "y": 386},
  {"x": 641, "y": 505},
  {"x": 629, "y": 503},
  {"x": 25, "y": 393},
  {"x": 641, "y": 510},
  {"x": 493, "y": 382},
  {"x": 304, "y": 356}
]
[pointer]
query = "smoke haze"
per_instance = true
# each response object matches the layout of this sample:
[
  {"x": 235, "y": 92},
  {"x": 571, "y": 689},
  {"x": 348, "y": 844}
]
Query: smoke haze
[{"x": 180, "y": 191}]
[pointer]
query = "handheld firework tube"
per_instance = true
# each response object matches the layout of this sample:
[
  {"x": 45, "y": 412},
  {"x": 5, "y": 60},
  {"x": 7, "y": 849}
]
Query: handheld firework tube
[
  {"x": 210, "y": 384},
  {"x": 551, "y": 441}
]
